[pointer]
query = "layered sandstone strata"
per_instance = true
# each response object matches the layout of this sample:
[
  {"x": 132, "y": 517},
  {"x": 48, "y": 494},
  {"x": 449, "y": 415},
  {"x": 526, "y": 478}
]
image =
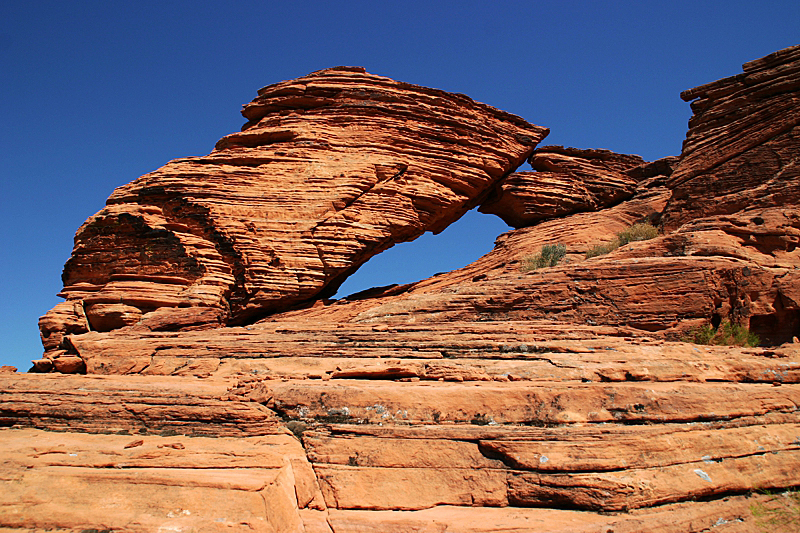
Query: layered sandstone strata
[
  {"x": 583, "y": 422},
  {"x": 484, "y": 399},
  {"x": 565, "y": 181},
  {"x": 743, "y": 134},
  {"x": 329, "y": 170}
]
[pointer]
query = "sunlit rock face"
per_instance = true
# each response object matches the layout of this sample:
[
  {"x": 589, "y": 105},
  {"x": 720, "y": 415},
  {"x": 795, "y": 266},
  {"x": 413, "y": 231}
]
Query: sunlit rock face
[
  {"x": 329, "y": 170},
  {"x": 741, "y": 151},
  {"x": 576, "y": 397},
  {"x": 737, "y": 187}
]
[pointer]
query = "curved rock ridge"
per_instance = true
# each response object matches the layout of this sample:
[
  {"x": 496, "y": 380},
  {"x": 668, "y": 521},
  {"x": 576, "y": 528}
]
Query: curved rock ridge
[
  {"x": 330, "y": 169},
  {"x": 566, "y": 181},
  {"x": 742, "y": 146}
]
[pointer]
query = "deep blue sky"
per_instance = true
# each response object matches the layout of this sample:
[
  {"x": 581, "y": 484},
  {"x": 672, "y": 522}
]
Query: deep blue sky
[{"x": 94, "y": 94}]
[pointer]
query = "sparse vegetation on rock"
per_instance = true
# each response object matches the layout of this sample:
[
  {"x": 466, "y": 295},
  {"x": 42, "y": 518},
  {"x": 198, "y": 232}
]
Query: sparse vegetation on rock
[
  {"x": 642, "y": 231},
  {"x": 781, "y": 513},
  {"x": 727, "y": 334},
  {"x": 549, "y": 256}
]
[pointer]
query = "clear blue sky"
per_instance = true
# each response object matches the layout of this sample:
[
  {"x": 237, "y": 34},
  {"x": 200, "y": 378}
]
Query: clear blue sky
[{"x": 94, "y": 94}]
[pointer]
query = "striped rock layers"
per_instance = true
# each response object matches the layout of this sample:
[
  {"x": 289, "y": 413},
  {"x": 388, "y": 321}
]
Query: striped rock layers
[
  {"x": 741, "y": 150},
  {"x": 330, "y": 169},
  {"x": 485, "y": 399}
]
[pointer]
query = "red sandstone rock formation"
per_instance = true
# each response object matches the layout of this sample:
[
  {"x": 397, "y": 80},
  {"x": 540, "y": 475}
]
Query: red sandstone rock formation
[
  {"x": 566, "y": 181},
  {"x": 741, "y": 148},
  {"x": 485, "y": 399},
  {"x": 467, "y": 439},
  {"x": 329, "y": 170}
]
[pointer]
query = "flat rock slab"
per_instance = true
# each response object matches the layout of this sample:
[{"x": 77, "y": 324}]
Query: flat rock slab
[
  {"x": 364, "y": 401},
  {"x": 449, "y": 351},
  {"x": 730, "y": 515},
  {"x": 132, "y": 404},
  {"x": 152, "y": 483},
  {"x": 378, "y": 444}
]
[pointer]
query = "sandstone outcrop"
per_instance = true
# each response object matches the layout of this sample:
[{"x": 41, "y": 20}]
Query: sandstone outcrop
[
  {"x": 744, "y": 134},
  {"x": 329, "y": 170},
  {"x": 485, "y": 399},
  {"x": 734, "y": 259},
  {"x": 566, "y": 181},
  {"x": 585, "y": 422},
  {"x": 154, "y": 483}
]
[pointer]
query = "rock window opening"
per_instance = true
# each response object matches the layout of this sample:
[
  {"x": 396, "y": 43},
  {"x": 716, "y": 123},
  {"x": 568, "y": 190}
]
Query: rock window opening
[{"x": 463, "y": 242}]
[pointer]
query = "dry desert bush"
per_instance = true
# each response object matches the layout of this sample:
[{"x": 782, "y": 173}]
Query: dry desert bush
[
  {"x": 642, "y": 231},
  {"x": 549, "y": 256}
]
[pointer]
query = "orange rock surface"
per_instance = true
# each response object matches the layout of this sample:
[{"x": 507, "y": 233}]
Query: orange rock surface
[
  {"x": 223, "y": 392},
  {"x": 154, "y": 483},
  {"x": 329, "y": 170},
  {"x": 566, "y": 181},
  {"x": 744, "y": 133}
]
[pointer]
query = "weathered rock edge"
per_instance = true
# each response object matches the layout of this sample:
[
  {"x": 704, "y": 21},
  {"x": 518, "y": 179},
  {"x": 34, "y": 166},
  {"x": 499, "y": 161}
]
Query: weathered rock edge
[{"x": 744, "y": 133}]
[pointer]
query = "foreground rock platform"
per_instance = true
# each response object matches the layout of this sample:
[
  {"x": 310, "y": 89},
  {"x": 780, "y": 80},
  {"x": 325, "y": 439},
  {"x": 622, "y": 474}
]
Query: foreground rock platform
[
  {"x": 198, "y": 377},
  {"x": 344, "y": 454},
  {"x": 153, "y": 483},
  {"x": 265, "y": 484}
]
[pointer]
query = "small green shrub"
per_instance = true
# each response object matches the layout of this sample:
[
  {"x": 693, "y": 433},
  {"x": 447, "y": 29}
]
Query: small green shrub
[
  {"x": 602, "y": 249},
  {"x": 702, "y": 335},
  {"x": 727, "y": 334},
  {"x": 641, "y": 231},
  {"x": 735, "y": 335},
  {"x": 781, "y": 513},
  {"x": 550, "y": 255}
]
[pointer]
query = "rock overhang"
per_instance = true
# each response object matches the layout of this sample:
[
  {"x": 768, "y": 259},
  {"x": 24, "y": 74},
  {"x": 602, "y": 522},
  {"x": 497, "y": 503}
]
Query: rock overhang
[{"x": 330, "y": 169}]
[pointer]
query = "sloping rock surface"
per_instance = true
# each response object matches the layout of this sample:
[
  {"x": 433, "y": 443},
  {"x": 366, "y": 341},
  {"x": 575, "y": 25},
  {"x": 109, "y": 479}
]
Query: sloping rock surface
[
  {"x": 485, "y": 399},
  {"x": 329, "y": 170}
]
